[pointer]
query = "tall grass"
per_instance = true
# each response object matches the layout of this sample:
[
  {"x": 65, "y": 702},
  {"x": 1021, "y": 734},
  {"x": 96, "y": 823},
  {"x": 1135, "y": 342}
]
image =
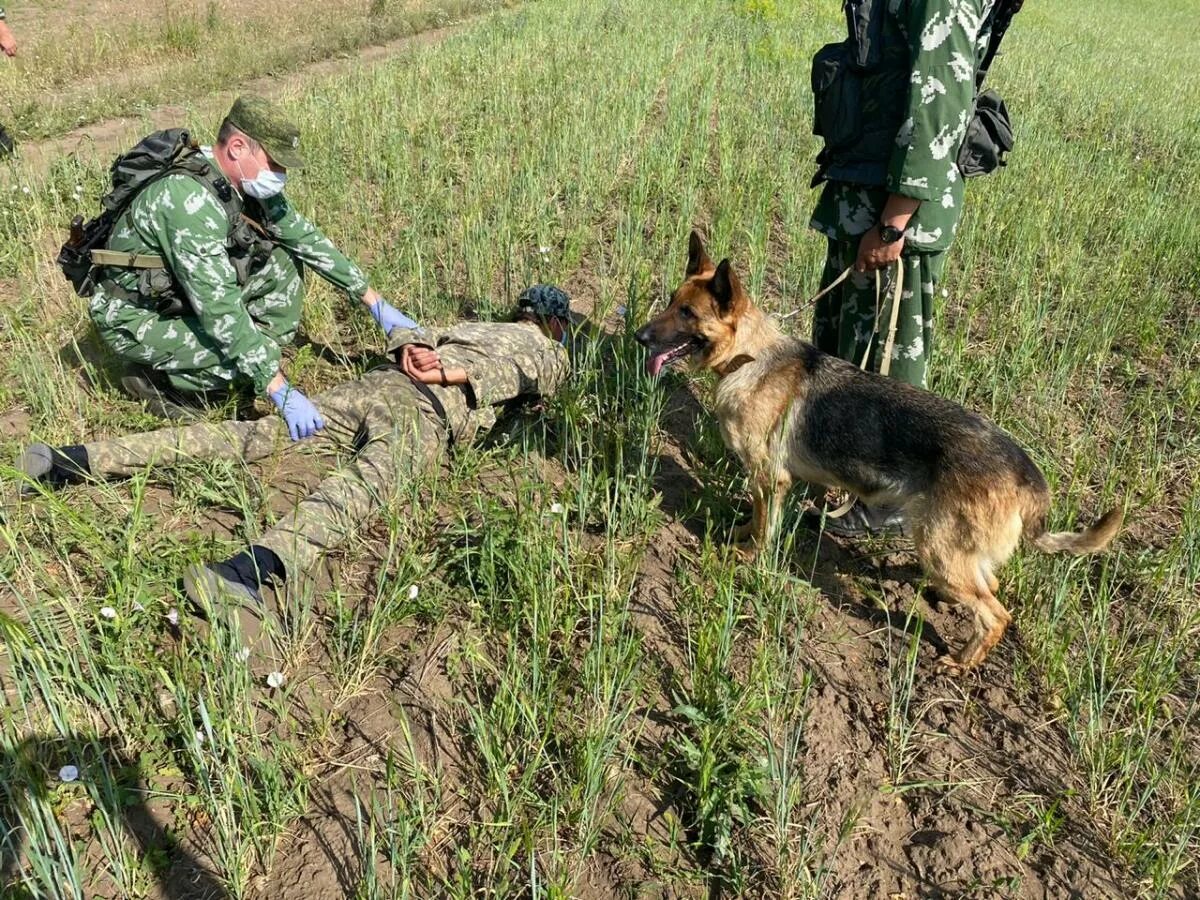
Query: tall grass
[{"x": 578, "y": 142}]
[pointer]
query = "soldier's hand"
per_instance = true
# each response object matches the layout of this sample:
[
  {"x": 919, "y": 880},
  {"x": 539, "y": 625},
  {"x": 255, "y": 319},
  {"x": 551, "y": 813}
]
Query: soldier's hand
[
  {"x": 430, "y": 370},
  {"x": 423, "y": 359},
  {"x": 8, "y": 43},
  {"x": 874, "y": 254},
  {"x": 302, "y": 418}
]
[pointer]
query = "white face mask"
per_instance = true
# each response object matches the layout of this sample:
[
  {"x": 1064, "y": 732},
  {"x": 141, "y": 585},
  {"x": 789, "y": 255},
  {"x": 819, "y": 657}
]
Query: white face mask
[{"x": 267, "y": 183}]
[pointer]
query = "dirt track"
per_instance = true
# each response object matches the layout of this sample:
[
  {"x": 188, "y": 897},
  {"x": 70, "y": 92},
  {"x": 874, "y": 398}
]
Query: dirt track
[{"x": 103, "y": 140}]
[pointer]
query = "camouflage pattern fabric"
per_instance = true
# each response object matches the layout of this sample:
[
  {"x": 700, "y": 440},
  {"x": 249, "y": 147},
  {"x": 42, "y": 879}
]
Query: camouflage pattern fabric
[
  {"x": 931, "y": 50},
  {"x": 187, "y": 354},
  {"x": 394, "y": 426},
  {"x": 180, "y": 219},
  {"x": 844, "y": 320}
]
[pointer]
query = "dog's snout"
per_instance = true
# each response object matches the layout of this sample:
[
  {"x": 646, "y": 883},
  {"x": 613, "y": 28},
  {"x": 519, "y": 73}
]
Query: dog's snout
[{"x": 643, "y": 336}]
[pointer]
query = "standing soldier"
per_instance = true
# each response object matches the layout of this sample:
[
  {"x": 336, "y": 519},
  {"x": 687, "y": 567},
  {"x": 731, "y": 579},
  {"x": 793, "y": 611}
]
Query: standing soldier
[
  {"x": 893, "y": 103},
  {"x": 200, "y": 282},
  {"x": 8, "y": 44}
]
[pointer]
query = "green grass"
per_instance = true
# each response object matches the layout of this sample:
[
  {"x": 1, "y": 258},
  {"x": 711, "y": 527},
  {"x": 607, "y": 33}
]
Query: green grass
[{"x": 578, "y": 142}]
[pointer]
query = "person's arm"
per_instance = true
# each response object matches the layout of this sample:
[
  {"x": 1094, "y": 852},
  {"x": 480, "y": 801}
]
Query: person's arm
[
  {"x": 188, "y": 225},
  {"x": 314, "y": 249},
  {"x": 8, "y": 43},
  {"x": 515, "y": 361},
  {"x": 941, "y": 93}
]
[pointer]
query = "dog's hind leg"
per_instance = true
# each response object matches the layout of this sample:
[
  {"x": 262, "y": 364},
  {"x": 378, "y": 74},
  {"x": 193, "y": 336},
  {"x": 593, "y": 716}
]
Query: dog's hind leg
[{"x": 965, "y": 578}]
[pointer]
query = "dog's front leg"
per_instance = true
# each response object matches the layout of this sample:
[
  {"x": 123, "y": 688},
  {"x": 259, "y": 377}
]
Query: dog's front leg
[{"x": 769, "y": 491}]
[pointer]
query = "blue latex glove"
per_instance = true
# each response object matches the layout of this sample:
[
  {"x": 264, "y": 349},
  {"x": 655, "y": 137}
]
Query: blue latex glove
[
  {"x": 302, "y": 418},
  {"x": 389, "y": 317}
]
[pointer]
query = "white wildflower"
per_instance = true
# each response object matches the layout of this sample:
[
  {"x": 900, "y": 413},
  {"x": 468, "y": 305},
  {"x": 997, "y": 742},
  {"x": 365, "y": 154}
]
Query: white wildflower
[
  {"x": 68, "y": 774},
  {"x": 275, "y": 680},
  {"x": 556, "y": 508},
  {"x": 413, "y": 591},
  {"x": 242, "y": 655},
  {"x": 173, "y": 616},
  {"x": 108, "y": 612},
  {"x": 199, "y": 737}
]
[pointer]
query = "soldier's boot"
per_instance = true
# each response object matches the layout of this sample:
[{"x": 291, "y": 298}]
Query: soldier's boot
[
  {"x": 860, "y": 521},
  {"x": 231, "y": 592},
  {"x": 52, "y": 466},
  {"x": 7, "y": 146},
  {"x": 166, "y": 402}
]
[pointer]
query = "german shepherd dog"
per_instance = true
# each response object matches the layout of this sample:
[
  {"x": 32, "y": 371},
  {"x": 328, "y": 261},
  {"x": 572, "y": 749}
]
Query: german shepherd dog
[{"x": 967, "y": 491}]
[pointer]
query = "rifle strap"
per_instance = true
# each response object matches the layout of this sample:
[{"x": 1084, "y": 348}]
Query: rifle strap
[{"x": 121, "y": 260}]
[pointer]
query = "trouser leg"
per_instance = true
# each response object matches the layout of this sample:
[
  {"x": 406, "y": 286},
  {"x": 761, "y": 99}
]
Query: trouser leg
[
  {"x": 124, "y": 456},
  {"x": 844, "y": 319},
  {"x": 400, "y": 436},
  {"x": 914, "y": 326}
]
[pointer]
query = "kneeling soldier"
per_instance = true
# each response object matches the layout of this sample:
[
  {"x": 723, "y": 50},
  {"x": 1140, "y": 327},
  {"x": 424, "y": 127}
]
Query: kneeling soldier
[
  {"x": 201, "y": 281},
  {"x": 445, "y": 385}
]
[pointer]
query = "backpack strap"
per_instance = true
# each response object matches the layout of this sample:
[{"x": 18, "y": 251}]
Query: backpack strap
[{"x": 1001, "y": 17}]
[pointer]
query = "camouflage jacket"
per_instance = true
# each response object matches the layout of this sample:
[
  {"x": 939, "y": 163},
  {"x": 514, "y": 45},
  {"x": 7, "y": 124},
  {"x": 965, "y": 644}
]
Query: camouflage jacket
[
  {"x": 180, "y": 220},
  {"x": 503, "y": 361},
  {"x": 924, "y": 87}
]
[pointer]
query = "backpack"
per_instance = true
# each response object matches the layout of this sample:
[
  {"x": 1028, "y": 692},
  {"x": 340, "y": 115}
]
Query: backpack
[{"x": 153, "y": 157}]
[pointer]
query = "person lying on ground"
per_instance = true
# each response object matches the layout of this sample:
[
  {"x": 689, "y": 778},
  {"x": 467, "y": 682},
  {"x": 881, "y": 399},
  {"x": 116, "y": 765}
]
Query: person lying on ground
[{"x": 444, "y": 386}]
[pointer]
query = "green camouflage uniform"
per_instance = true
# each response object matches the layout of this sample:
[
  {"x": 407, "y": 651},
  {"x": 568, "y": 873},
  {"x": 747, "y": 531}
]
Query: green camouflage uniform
[
  {"x": 393, "y": 422},
  {"x": 232, "y": 332},
  {"x": 921, "y": 91}
]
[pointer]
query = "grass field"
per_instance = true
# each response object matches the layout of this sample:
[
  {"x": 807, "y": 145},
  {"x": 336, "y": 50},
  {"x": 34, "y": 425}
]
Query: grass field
[{"x": 586, "y": 695}]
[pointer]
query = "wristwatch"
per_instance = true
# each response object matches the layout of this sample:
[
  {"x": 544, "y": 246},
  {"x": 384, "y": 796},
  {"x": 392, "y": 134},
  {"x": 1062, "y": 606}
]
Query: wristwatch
[{"x": 889, "y": 234}]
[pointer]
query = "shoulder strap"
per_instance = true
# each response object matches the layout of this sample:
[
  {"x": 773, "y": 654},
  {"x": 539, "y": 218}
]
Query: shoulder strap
[
  {"x": 205, "y": 171},
  {"x": 1001, "y": 17}
]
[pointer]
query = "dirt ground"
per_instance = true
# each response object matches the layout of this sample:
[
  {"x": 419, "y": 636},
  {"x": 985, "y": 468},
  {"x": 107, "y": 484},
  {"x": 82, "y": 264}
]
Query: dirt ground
[{"x": 978, "y": 749}]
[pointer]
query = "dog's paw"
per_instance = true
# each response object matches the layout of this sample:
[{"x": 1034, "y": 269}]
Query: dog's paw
[
  {"x": 948, "y": 665},
  {"x": 746, "y": 551}
]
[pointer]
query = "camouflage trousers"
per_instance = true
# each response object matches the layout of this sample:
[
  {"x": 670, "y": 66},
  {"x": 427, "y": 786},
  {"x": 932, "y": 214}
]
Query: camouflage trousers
[
  {"x": 389, "y": 427},
  {"x": 844, "y": 323},
  {"x": 180, "y": 349}
]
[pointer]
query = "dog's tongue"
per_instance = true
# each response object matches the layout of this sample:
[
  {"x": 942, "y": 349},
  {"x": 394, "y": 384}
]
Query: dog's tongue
[{"x": 655, "y": 363}]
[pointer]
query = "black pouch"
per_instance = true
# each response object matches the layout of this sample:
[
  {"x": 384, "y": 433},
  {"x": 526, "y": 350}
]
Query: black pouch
[
  {"x": 989, "y": 137},
  {"x": 837, "y": 76},
  {"x": 837, "y": 98},
  {"x": 158, "y": 288}
]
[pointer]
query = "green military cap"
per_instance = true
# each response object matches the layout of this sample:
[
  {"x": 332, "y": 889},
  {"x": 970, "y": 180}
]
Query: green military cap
[{"x": 260, "y": 119}]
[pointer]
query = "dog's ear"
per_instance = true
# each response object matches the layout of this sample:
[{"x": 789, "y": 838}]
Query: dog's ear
[
  {"x": 698, "y": 260},
  {"x": 727, "y": 290}
]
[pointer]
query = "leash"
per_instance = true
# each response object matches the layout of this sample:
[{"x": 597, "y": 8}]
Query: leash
[{"x": 885, "y": 364}]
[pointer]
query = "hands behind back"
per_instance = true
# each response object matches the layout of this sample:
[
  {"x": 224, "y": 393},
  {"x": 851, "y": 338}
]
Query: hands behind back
[{"x": 424, "y": 365}]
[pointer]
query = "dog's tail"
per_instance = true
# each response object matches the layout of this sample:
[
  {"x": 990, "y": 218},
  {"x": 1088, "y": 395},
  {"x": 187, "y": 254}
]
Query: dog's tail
[{"x": 1090, "y": 540}]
